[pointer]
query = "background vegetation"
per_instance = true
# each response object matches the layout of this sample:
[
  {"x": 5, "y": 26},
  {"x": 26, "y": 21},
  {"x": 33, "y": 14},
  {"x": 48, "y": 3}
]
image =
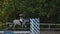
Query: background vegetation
[{"x": 48, "y": 10}]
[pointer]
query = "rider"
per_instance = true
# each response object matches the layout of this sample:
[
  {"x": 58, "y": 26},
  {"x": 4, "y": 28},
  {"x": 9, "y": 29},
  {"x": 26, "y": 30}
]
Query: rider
[{"x": 21, "y": 18}]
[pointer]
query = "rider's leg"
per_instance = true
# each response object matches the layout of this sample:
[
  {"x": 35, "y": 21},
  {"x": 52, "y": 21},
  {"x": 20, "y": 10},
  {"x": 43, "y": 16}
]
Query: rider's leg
[{"x": 21, "y": 22}]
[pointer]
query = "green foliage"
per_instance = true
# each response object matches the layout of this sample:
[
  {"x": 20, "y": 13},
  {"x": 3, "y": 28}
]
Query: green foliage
[
  {"x": 49, "y": 10},
  {"x": 30, "y": 8}
]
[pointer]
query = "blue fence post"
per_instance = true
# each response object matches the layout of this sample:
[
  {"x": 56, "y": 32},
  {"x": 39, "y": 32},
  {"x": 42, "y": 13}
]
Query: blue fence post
[{"x": 34, "y": 26}]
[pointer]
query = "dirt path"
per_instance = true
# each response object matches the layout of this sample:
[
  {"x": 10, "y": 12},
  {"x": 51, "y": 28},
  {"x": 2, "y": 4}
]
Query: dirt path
[{"x": 50, "y": 32}]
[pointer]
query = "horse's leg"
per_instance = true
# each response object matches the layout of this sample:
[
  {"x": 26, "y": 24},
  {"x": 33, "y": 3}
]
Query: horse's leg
[
  {"x": 24, "y": 24},
  {"x": 14, "y": 26}
]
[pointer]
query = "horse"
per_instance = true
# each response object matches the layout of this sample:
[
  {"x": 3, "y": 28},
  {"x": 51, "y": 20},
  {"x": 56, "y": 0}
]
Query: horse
[{"x": 17, "y": 22}]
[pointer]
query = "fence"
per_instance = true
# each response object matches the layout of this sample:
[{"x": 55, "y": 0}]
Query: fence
[
  {"x": 46, "y": 26},
  {"x": 50, "y": 26},
  {"x": 43, "y": 28},
  {"x": 17, "y": 32},
  {"x": 18, "y": 29}
]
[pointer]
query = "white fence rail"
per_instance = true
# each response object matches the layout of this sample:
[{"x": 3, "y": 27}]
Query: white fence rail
[
  {"x": 28, "y": 32},
  {"x": 17, "y": 32},
  {"x": 49, "y": 26}
]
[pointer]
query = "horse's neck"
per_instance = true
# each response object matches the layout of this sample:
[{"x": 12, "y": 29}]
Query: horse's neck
[{"x": 26, "y": 20}]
